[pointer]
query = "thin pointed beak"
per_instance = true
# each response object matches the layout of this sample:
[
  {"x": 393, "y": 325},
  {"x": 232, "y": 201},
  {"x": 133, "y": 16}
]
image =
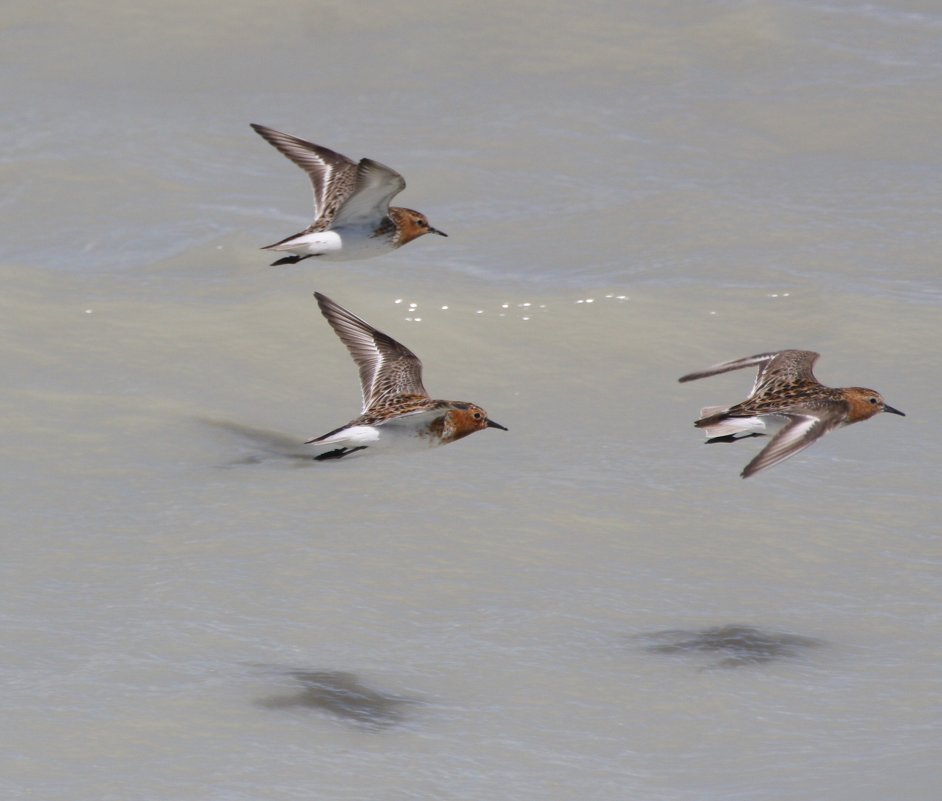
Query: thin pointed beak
[
  {"x": 492, "y": 424},
  {"x": 436, "y": 231},
  {"x": 891, "y": 410}
]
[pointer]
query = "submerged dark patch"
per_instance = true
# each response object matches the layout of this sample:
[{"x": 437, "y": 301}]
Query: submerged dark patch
[
  {"x": 342, "y": 695},
  {"x": 735, "y": 645}
]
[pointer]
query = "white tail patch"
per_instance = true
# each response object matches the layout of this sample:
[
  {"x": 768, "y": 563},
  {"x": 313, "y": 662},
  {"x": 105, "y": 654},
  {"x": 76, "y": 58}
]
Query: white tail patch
[
  {"x": 732, "y": 425},
  {"x": 313, "y": 244},
  {"x": 350, "y": 436}
]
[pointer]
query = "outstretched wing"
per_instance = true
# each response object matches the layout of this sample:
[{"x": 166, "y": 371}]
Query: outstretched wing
[
  {"x": 798, "y": 434},
  {"x": 786, "y": 370},
  {"x": 333, "y": 176},
  {"x": 760, "y": 359},
  {"x": 376, "y": 185},
  {"x": 387, "y": 368},
  {"x": 774, "y": 368}
]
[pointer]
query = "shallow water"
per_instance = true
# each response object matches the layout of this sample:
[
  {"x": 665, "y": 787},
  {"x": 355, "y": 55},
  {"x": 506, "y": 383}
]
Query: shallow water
[{"x": 631, "y": 193}]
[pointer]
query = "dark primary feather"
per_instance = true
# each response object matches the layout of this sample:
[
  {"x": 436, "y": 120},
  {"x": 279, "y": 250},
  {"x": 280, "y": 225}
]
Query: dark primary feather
[{"x": 725, "y": 367}]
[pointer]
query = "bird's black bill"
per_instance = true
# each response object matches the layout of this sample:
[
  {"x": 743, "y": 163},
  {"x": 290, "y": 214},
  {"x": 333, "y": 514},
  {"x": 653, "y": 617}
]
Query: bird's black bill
[
  {"x": 891, "y": 410},
  {"x": 492, "y": 424},
  {"x": 436, "y": 231}
]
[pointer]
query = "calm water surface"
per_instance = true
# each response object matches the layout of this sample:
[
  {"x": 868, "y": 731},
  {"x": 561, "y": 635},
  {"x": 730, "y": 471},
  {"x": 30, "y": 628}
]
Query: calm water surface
[{"x": 590, "y": 605}]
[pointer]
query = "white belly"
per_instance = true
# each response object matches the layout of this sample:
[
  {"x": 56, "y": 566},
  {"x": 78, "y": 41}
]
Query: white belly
[
  {"x": 398, "y": 436},
  {"x": 766, "y": 424},
  {"x": 338, "y": 244}
]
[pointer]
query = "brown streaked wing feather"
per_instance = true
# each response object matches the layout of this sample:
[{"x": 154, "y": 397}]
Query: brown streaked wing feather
[
  {"x": 791, "y": 399},
  {"x": 397, "y": 377},
  {"x": 798, "y": 434},
  {"x": 333, "y": 176},
  {"x": 774, "y": 369},
  {"x": 402, "y": 406},
  {"x": 387, "y": 368},
  {"x": 788, "y": 368}
]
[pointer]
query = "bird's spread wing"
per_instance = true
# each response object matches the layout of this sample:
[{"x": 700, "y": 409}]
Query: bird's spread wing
[
  {"x": 333, "y": 176},
  {"x": 774, "y": 369},
  {"x": 798, "y": 434},
  {"x": 387, "y": 368},
  {"x": 787, "y": 369},
  {"x": 760, "y": 359},
  {"x": 376, "y": 185}
]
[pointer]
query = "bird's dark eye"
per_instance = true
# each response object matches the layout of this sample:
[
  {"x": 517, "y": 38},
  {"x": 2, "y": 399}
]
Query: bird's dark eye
[
  {"x": 873, "y": 401},
  {"x": 478, "y": 415}
]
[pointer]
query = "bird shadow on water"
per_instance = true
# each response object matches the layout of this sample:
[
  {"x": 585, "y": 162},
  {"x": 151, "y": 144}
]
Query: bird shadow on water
[
  {"x": 732, "y": 646},
  {"x": 260, "y": 445},
  {"x": 343, "y": 696}
]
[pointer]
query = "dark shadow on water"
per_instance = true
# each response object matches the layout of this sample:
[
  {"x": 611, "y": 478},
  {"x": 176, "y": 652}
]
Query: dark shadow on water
[
  {"x": 343, "y": 696},
  {"x": 261, "y": 445},
  {"x": 734, "y": 646}
]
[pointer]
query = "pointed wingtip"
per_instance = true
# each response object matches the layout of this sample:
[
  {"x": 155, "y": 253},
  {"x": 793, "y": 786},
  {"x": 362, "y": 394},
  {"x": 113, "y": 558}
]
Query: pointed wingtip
[
  {"x": 752, "y": 468},
  {"x": 324, "y": 303}
]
